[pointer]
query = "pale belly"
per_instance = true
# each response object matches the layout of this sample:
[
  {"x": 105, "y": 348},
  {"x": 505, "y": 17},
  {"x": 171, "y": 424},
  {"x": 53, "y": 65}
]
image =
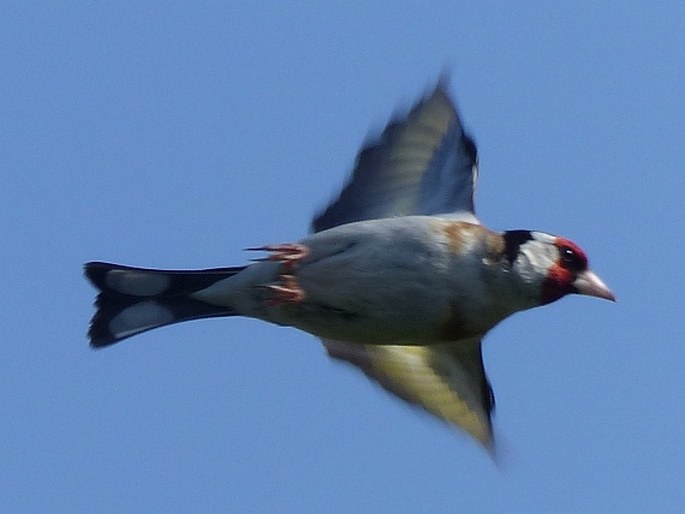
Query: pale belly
[
  {"x": 395, "y": 286},
  {"x": 384, "y": 282}
]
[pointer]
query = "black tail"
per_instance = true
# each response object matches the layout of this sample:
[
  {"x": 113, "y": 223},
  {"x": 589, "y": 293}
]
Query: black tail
[{"x": 134, "y": 300}]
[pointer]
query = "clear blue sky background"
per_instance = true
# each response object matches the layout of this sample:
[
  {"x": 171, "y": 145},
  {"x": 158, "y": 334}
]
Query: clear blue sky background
[{"x": 175, "y": 134}]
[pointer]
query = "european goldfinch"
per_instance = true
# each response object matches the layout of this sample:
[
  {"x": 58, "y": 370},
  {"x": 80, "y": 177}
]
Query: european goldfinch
[{"x": 398, "y": 276}]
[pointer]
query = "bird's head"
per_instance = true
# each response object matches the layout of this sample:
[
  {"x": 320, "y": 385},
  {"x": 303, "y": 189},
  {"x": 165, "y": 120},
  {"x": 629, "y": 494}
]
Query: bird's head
[{"x": 552, "y": 267}]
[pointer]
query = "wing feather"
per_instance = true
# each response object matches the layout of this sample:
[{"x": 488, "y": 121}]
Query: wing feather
[
  {"x": 447, "y": 380},
  {"x": 423, "y": 163}
]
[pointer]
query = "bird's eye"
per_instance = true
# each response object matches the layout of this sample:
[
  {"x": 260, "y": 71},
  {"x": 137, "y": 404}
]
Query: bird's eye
[{"x": 571, "y": 260}]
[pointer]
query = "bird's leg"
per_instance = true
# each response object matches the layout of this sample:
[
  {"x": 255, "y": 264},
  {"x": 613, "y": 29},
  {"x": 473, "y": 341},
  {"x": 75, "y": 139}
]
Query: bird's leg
[
  {"x": 287, "y": 253},
  {"x": 287, "y": 290}
]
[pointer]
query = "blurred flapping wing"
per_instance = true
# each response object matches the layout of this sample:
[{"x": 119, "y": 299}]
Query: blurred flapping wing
[
  {"x": 422, "y": 164},
  {"x": 447, "y": 380}
]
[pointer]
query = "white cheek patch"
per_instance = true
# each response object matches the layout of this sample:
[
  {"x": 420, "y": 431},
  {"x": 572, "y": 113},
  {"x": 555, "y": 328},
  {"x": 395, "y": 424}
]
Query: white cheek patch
[
  {"x": 137, "y": 283},
  {"x": 139, "y": 317},
  {"x": 540, "y": 256},
  {"x": 535, "y": 258}
]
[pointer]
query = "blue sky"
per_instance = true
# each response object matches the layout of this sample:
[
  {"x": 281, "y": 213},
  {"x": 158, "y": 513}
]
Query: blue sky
[{"x": 176, "y": 134}]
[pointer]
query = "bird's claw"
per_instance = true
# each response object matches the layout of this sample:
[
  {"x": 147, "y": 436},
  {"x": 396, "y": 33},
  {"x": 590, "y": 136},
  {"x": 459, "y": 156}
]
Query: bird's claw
[
  {"x": 287, "y": 291},
  {"x": 286, "y": 253}
]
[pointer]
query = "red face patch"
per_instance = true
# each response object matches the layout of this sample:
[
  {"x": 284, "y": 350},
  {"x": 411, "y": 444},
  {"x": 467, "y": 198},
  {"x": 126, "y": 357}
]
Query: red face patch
[
  {"x": 571, "y": 256},
  {"x": 561, "y": 275},
  {"x": 557, "y": 283}
]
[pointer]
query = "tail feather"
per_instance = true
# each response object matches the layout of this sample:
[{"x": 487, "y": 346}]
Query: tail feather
[{"x": 134, "y": 300}]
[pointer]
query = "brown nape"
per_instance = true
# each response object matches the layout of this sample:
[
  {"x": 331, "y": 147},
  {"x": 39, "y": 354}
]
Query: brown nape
[{"x": 458, "y": 233}]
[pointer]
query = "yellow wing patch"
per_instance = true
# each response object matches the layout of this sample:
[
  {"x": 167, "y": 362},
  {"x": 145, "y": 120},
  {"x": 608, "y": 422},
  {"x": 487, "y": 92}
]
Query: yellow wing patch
[{"x": 446, "y": 380}]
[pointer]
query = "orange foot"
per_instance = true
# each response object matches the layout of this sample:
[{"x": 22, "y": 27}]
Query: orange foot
[
  {"x": 288, "y": 291},
  {"x": 287, "y": 253}
]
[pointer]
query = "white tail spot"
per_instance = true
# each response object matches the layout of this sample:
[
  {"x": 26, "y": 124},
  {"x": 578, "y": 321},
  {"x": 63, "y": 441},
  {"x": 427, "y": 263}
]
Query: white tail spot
[
  {"x": 137, "y": 283},
  {"x": 139, "y": 317}
]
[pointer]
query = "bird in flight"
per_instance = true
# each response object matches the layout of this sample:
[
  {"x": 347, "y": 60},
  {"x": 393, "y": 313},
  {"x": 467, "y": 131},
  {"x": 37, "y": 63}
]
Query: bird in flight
[{"x": 397, "y": 277}]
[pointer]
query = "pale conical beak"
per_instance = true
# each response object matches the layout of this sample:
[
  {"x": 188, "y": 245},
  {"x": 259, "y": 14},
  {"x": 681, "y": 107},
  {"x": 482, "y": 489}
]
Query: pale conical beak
[{"x": 589, "y": 284}]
